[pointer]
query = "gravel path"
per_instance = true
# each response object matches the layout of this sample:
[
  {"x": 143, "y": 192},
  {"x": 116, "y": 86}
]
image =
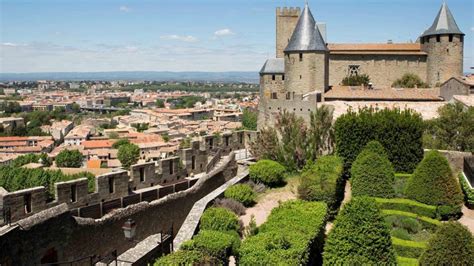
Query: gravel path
[{"x": 468, "y": 218}]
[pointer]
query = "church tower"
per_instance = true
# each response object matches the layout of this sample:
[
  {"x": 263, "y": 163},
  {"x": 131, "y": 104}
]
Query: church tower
[
  {"x": 443, "y": 42},
  {"x": 306, "y": 58}
]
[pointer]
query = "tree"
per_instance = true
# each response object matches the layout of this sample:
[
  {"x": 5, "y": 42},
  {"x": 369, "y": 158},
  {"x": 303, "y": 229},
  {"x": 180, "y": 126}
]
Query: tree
[
  {"x": 76, "y": 108},
  {"x": 356, "y": 80},
  {"x": 360, "y": 236},
  {"x": 249, "y": 119},
  {"x": 69, "y": 158},
  {"x": 120, "y": 142},
  {"x": 128, "y": 154},
  {"x": 452, "y": 244},
  {"x": 160, "y": 103},
  {"x": 409, "y": 80}
]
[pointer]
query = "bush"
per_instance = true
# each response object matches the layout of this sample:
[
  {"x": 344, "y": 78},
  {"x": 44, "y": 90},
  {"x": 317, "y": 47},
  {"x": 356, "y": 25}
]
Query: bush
[
  {"x": 433, "y": 183},
  {"x": 120, "y": 142},
  {"x": 186, "y": 257},
  {"x": 128, "y": 154},
  {"x": 399, "y": 132},
  {"x": 219, "y": 219},
  {"x": 467, "y": 190},
  {"x": 407, "y": 248},
  {"x": 407, "y": 205},
  {"x": 356, "y": 80},
  {"x": 230, "y": 204},
  {"x": 411, "y": 225},
  {"x": 359, "y": 235},
  {"x": 426, "y": 222},
  {"x": 402, "y": 261},
  {"x": 372, "y": 175},
  {"x": 409, "y": 80},
  {"x": 400, "y": 233},
  {"x": 242, "y": 193},
  {"x": 215, "y": 244},
  {"x": 69, "y": 158},
  {"x": 452, "y": 244},
  {"x": 322, "y": 181},
  {"x": 268, "y": 172},
  {"x": 292, "y": 235}
]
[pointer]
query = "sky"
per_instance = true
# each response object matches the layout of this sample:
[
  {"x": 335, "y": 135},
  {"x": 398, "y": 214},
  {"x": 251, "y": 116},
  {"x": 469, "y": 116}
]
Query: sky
[{"x": 194, "y": 35}]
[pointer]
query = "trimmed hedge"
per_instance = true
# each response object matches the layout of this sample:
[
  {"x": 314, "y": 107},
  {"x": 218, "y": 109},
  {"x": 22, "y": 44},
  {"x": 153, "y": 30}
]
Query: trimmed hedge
[
  {"x": 372, "y": 175},
  {"x": 322, "y": 181},
  {"x": 292, "y": 235},
  {"x": 360, "y": 236},
  {"x": 219, "y": 219},
  {"x": 468, "y": 192},
  {"x": 402, "y": 261},
  {"x": 268, "y": 172},
  {"x": 399, "y": 132},
  {"x": 407, "y": 205},
  {"x": 452, "y": 244},
  {"x": 407, "y": 248},
  {"x": 433, "y": 183},
  {"x": 242, "y": 193},
  {"x": 215, "y": 244},
  {"x": 427, "y": 222},
  {"x": 186, "y": 257}
]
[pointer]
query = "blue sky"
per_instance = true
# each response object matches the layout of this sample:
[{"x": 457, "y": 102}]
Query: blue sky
[{"x": 192, "y": 35}]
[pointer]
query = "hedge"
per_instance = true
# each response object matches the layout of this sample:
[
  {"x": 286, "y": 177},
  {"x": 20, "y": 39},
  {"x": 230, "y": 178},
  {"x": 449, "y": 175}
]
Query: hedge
[
  {"x": 267, "y": 172},
  {"x": 215, "y": 244},
  {"x": 292, "y": 235},
  {"x": 360, "y": 236},
  {"x": 402, "y": 261},
  {"x": 407, "y": 248},
  {"x": 399, "y": 132},
  {"x": 186, "y": 257},
  {"x": 407, "y": 205},
  {"x": 322, "y": 181},
  {"x": 219, "y": 219},
  {"x": 427, "y": 222},
  {"x": 467, "y": 190},
  {"x": 242, "y": 193}
]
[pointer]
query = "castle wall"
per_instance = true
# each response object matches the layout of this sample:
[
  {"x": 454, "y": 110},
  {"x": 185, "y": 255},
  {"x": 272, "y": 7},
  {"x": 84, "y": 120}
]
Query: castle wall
[
  {"x": 286, "y": 19},
  {"x": 382, "y": 69},
  {"x": 306, "y": 75}
]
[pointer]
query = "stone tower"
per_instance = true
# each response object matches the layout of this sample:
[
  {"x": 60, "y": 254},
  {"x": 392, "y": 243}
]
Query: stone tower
[
  {"x": 306, "y": 58},
  {"x": 443, "y": 42},
  {"x": 286, "y": 19}
]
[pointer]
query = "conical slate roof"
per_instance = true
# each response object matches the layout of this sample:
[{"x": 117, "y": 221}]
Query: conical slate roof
[
  {"x": 306, "y": 36},
  {"x": 444, "y": 23}
]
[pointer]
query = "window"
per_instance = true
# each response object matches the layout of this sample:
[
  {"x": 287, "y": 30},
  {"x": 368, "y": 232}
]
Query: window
[
  {"x": 282, "y": 77},
  {"x": 73, "y": 193},
  {"x": 301, "y": 57},
  {"x": 301, "y": 76},
  {"x": 461, "y": 38},
  {"x": 171, "y": 167},
  {"x": 27, "y": 202},
  {"x": 193, "y": 162},
  {"x": 273, "y": 77},
  {"x": 142, "y": 174},
  {"x": 274, "y": 95},
  {"x": 450, "y": 38},
  {"x": 288, "y": 95},
  {"x": 211, "y": 143},
  {"x": 111, "y": 185},
  {"x": 353, "y": 70},
  {"x": 318, "y": 97},
  {"x": 438, "y": 38},
  {"x": 226, "y": 141},
  {"x": 241, "y": 139},
  {"x": 422, "y": 40}
]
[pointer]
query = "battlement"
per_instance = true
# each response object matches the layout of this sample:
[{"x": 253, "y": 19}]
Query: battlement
[{"x": 288, "y": 11}]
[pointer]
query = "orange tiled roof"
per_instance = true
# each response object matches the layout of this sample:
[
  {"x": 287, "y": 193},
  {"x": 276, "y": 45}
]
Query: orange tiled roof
[
  {"x": 390, "y": 94},
  {"x": 375, "y": 48},
  {"x": 97, "y": 144}
]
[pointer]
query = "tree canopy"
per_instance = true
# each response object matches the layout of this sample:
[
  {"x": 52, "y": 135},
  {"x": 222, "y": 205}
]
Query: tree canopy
[{"x": 69, "y": 158}]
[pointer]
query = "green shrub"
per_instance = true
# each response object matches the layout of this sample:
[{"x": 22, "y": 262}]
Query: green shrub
[
  {"x": 372, "y": 175},
  {"x": 268, "y": 172},
  {"x": 292, "y": 235},
  {"x": 374, "y": 147},
  {"x": 402, "y": 261},
  {"x": 120, "y": 142},
  {"x": 399, "y": 132},
  {"x": 409, "y": 80},
  {"x": 216, "y": 244},
  {"x": 407, "y": 248},
  {"x": 219, "y": 219},
  {"x": 467, "y": 190},
  {"x": 186, "y": 257},
  {"x": 359, "y": 235},
  {"x": 411, "y": 225},
  {"x": 452, "y": 244},
  {"x": 426, "y": 222},
  {"x": 356, "y": 80},
  {"x": 400, "y": 233},
  {"x": 69, "y": 158},
  {"x": 322, "y": 181},
  {"x": 242, "y": 193},
  {"x": 407, "y": 205},
  {"x": 433, "y": 183}
]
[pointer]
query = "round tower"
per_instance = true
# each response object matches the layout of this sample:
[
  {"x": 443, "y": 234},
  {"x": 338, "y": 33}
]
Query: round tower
[{"x": 444, "y": 44}]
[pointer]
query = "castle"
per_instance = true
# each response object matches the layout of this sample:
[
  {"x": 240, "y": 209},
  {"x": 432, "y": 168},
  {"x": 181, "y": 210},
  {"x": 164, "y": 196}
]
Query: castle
[{"x": 306, "y": 67}]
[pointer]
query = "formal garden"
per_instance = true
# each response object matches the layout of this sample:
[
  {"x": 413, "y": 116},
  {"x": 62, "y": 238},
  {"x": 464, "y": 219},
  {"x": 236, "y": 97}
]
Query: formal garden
[{"x": 402, "y": 207}]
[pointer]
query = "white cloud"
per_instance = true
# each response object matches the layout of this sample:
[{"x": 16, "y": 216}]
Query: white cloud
[
  {"x": 124, "y": 9},
  {"x": 223, "y": 32},
  {"x": 472, "y": 28},
  {"x": 183, "y": 38}
]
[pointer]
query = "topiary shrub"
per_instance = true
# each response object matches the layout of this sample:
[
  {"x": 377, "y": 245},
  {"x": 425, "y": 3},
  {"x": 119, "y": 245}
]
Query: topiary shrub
[
  {"x": 374, "y": 147},
  {"x": 269, "y": 172},
  {"x": 372, "y": 175},
  {"x": 230, "y": 204},
  {"x": 242, "y": 193},
  {"x": 215, "y": 244},
  {"x": 433, "y": 183},
  {"x": 322, "y": 181},
  {"x": 407, "y": 248},
  {"x": 219, "y": 219},
  {"x": 360, "y": 235},
  {"x": 400, "y": 233},
  {"x": 186, "y": 257},
  {"x": 452, "y": 244},
  {"x": 407, "y": 206}
]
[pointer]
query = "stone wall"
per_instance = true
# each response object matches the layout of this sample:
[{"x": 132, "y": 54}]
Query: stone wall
[
  {"x": 382, "y": 69},
  {"x": 453, "y": 87},
  {"x": 286, "y": 19},
  {"x": 306, "y": 72}
]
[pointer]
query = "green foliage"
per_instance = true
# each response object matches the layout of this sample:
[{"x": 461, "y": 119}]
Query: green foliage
[
  {"x": 249, "y": 119},
  {"x": 186, "y": 101},
  {"x": 359, "y": 235},
  {"x": 219, "y": 219},
  {"x": 409, "y": 80},
  {"x": 407, "y": 205},
  {"x": 10, "y": 107},
  {"x": 356, "y": 80},
  {"x": 185, "y": 143},
  {"x": 292, "y": 142},
  {"x": 434, "y": 183},
  {"x": 140, "y": 126},
  {"x": 216, "y": 244},
  {"x": 242, "y": 193},
  {"x": 399, "y": 132},
  {"x": 322, "y": 181},
  {"x": 468, "y": 192},
  {"x": 69, "y": 158},
  {"x": 452, "y": 244},
  {"x": 120, "y": 142},
  {"x": 268, "y": 172},
  {"x": 31, "y": 158},
  {"x": 252, "y": 228},
  {"x": 372, "y": 174},
  {"x": 185, "y": 257},
  {"x": 128, "y": 155},
  {"x": 452, "y": 130},
  {"x": 407, "y": 248},
  {"x": 402, "y": 261},
  {"x": 427, "y": 223},
  {"x": 400, "y": 233},
  {"x": 165, "y": 137},
  {"x": 160, "y": 103},
  {"x": 18, "y": 178},
  {"x": 292, "y": 235}
]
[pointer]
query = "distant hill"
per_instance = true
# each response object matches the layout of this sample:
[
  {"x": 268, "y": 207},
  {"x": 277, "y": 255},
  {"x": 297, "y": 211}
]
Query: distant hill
[{"x": 249, "y": 77}]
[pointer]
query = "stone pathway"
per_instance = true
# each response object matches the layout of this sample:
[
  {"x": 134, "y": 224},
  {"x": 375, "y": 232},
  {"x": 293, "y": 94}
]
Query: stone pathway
[
  {"x": 347, "y": 198},
  {"x": 467, "y": 218}
]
